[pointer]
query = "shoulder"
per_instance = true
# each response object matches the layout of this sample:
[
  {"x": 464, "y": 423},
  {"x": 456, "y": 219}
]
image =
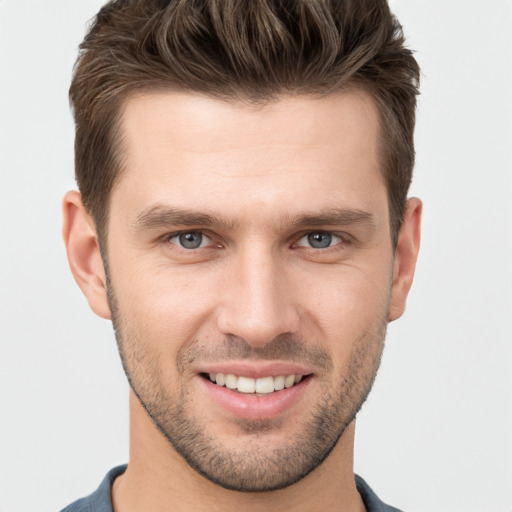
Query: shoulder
[
  {"x": 100, "y": 500},
  {"x": 371, "y": 501},
  {"x": 81, "y": 505}
]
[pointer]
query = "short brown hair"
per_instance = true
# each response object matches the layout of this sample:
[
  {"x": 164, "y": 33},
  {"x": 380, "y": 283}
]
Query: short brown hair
[{"x": 243, "y": 50}]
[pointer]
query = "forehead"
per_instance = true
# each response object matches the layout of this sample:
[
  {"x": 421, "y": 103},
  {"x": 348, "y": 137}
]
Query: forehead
[
  {"x": 185, "y": 122},
  {"x": 184, "y": 149}
]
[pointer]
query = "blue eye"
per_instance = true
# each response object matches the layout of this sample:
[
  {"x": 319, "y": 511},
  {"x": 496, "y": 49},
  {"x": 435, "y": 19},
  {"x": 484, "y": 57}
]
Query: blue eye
[
  {"x": 190, "y": 239},
  {"x": 319, "y": 240}
]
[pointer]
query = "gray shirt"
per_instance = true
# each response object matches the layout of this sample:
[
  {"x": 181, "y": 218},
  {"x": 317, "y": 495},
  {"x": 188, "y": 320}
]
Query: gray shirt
[{"x": 101, "y": 501}]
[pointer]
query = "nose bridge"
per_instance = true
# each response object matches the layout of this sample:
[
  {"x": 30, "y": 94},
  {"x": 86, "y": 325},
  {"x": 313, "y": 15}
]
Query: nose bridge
[{"x": 257, "y": 303}]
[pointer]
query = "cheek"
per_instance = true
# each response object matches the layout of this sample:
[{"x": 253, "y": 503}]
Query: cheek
[
  {"x": 352, "y": 305},
  {"x": 165, "y": 309}
]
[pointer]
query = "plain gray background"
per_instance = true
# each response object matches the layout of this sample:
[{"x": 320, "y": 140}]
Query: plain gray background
[{"x": 435, "y": 435}]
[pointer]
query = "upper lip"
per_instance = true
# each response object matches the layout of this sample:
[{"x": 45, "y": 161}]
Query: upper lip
[{"x": 256, "y": 369}]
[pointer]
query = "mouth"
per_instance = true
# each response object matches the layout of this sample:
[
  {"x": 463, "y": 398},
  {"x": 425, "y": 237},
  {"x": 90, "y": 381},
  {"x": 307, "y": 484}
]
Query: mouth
[
  {"x": 261, "y": 386},
  {"x": 255, "y": 390}
]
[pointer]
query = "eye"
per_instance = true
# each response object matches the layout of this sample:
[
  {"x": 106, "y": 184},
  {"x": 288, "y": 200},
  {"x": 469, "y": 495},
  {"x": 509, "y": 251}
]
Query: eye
[
  {"x": 190, "y": 239},
  {"x": 319, "y": 240}
]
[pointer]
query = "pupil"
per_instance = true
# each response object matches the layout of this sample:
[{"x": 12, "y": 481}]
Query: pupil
[
  {"x": 319, "y": 240},
  {"x": 191, "y": 240}
]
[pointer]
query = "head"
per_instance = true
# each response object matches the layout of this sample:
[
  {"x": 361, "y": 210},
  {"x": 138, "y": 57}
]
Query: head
[
  {"x": 251, "y": 52},
  {"x": 243, "y": 169}
]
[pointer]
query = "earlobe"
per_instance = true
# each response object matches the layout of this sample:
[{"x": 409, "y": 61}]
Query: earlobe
[
  {"x": 405, "y": 257},
  {"x": 83, "y": 253}
]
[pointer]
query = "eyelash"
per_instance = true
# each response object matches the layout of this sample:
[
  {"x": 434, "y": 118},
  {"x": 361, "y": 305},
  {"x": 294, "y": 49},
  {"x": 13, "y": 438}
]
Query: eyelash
[
  {"x": 331, "y": 234},
  {"x": 168, "y": 238},
  {"x": 344, "y": 239}
]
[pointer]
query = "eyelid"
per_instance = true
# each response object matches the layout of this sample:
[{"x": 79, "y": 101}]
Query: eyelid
[
  {"x": 167, "y": 238},
  {"x": 343, "y": 239}
]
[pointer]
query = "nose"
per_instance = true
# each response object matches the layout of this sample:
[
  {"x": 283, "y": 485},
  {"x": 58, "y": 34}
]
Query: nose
[{"x": 258, "y": 303}]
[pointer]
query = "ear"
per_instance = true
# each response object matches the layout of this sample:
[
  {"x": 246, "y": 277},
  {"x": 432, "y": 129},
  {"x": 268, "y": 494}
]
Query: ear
[
  {"x": 84, "y": 255},
  {"x": 406, "y": 255}
]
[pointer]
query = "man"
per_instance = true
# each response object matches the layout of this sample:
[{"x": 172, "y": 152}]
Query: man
[{"x": 243, "y": 221}]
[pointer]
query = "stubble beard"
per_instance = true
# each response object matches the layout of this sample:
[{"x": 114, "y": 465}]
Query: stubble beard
[{"x": 248, "y": 467}]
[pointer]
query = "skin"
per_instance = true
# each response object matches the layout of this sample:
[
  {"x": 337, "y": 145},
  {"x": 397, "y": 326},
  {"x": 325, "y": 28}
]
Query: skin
[{"x": 255, "y": 291}]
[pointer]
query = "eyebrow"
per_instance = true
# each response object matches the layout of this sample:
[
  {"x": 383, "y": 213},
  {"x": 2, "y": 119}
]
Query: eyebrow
[
  {"x": 161, "y": 216},
  {"x": 334, "y": 217}
]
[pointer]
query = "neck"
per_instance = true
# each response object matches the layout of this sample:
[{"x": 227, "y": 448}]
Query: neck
[{"x": 158, "y": 479}]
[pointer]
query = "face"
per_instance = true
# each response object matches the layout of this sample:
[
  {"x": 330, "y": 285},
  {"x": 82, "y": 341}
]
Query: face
[{"x": 250, "y": 277}]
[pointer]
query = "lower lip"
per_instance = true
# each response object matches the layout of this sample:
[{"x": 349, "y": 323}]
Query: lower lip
[{"x": 255, "y": 407}]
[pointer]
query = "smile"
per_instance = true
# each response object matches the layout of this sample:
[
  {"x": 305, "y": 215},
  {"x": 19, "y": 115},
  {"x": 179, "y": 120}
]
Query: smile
[
  {"x": 256, "y": 391},
  {"x": 262, "y": 385}
]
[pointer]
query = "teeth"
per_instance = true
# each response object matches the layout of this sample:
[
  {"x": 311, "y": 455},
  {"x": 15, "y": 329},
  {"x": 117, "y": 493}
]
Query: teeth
[
  {"x": 263, "y": 385},
  {"x": 279, "y": 382},
  {"x": 289, "y": 381},
  {"x": 246, "y": 385},
  {"x": 231, "y": 381}
]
